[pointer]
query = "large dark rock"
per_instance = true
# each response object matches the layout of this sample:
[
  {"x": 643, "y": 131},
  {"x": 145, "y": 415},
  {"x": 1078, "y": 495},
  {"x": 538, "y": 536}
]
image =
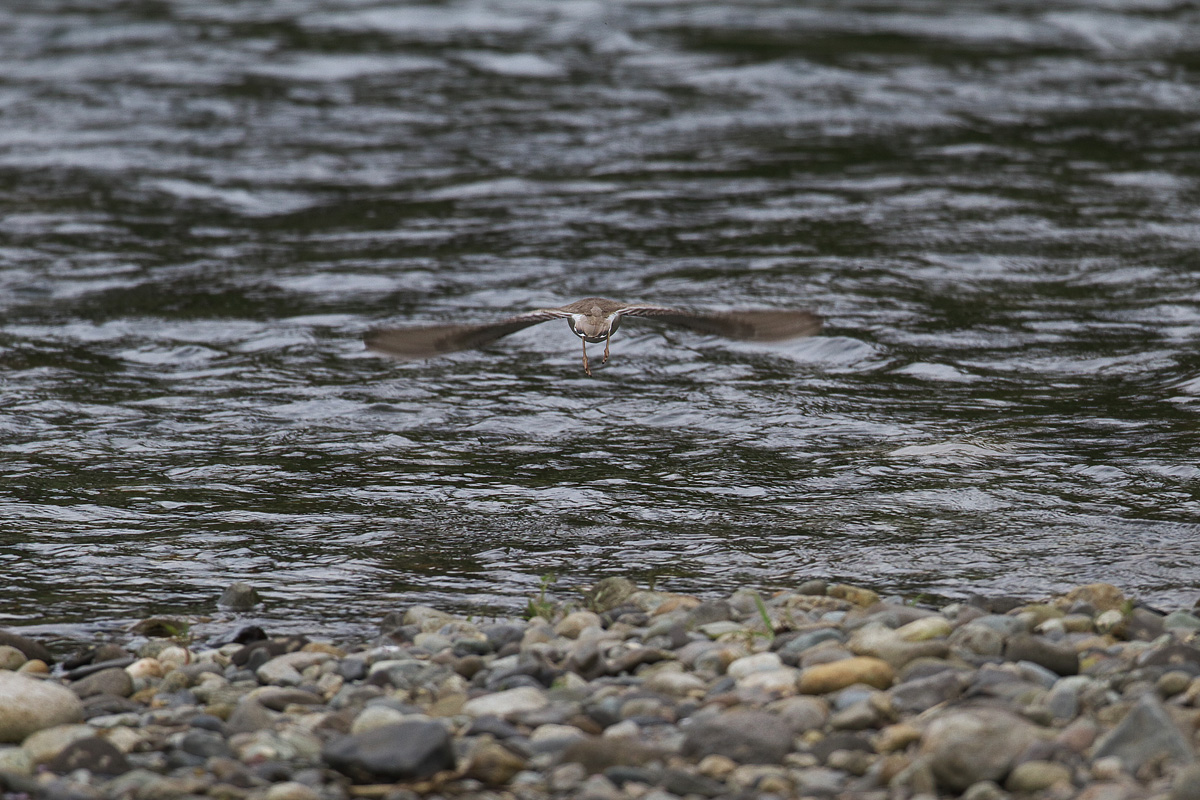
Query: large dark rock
[
  {"x": 751, "y": 737},
  {"x": 93, "y": 754},
  {"x": 596, "y": 754},
  {"x": 1054, "y": 657},
  {"x": 111, "y": 681},
  {"x": 709, "y": 611},
  {"x": 259, "y": 651},
  {"x": 239, "y": 596},
  {"x": 31, "y": 648},
  {"x": 918, "y": 695},
  {"x": 963, "y": 747},
  {"x": 1146, "y": 733},
  {"x": 397, "y": 752},
  {"x": 1172, "y": 655}
]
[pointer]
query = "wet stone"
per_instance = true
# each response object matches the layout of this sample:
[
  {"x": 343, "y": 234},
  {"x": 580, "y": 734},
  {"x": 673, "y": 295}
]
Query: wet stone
[
  {"x": 1147, "y": 732},
  {"x": 111, "y": 681},
  {"x": 753, "y": 737},
  {"x": 394, "y": 752},
  {"x": 965, "y": 747},
  {"x": 238, "y": 596},
  {"x": 1059, "y": 659},
  {"x": 92, "y": 754},
  {"x": 28, "y": 705},
  {"x": 30, "y": 648}
]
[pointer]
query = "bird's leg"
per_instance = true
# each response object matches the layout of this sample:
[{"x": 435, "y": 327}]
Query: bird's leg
[
  {"x": 586, "y": 368},
  {"x": 607, "y": 339}
]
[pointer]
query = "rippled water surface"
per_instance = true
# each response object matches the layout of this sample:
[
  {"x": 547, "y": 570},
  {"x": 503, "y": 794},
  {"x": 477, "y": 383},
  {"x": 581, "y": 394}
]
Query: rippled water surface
[{"x": 203, "y": 205}]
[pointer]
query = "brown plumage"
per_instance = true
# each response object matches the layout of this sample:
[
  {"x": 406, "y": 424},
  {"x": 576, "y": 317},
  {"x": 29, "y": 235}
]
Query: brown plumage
[{"x": 593, "y": 319}]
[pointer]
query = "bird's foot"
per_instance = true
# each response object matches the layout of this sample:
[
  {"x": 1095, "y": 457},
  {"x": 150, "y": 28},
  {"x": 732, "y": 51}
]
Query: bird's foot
[{"x": 605, "y": 361}]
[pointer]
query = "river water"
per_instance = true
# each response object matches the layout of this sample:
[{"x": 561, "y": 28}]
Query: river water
[{"x": 203, "y": 206}]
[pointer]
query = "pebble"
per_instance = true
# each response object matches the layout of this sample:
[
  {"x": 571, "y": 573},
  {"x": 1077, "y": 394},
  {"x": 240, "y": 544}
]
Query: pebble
[
  {"x": 1146, "y": 732},
  {"x": 49, "y": 742},
  {"x": 11, "y": 658},
  {"x": 965, "y": 747},
  {"x": 636, "y": 695},
  {"x": 507, "y": 703},
  {"x": 28, "y": 705},
  {"x": 755, "y": 737},
  {"x": 826, "y": 678},
  {"x": 393, "y": 752},
  {"x": 1034, "y": 776}
]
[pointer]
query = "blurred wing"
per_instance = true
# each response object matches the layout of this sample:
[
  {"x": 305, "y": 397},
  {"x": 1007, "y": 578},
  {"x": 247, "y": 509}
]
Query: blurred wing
[
  {"x": 434, "y": 340},
  {"x": 766, "y": 325}
]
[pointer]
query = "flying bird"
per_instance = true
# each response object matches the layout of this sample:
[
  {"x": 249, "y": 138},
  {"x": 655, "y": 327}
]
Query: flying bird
[{"x": 594, "y": 320}]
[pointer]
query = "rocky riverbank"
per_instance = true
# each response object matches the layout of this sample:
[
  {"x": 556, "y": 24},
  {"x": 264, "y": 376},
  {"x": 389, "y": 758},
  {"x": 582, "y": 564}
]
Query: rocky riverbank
[{"x": 821, "y": 691}]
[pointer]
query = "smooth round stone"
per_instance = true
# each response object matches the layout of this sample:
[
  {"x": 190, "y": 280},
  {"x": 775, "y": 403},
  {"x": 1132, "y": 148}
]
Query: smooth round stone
[
  {"x": 1186, "y": 785},
  {"x": 750, "y": 737},
  {"x": 28, "y": 705},
  {"x": 576, "y": 623},
  {"x": 11, "y": 658},
  {"x": 715, "y": 630},
  {"x": 858, "y": 717},
  {"x": 426, "y": 618},
  {"x": 1034, "y": 776},
  {"x": 35, "y": 666},
  {"x": 854, "y": 594},
  {"x": 1109, "y": 620},
  {"x": 979, "y": 638},
  {"x": 393, "y": 753},
  {"x": 1079, "y": 735},
  {"x": 493, "y": 764},
  {"x": 882, "y": 642},
  {"x": 759, "y": 662},
  {"x": 376, "y": 716},
  {"x": 291, "y": 790},
  {"x": 552, "y": 737},
  {"x": 1001, "y": 623},
  {"x": 985, "y": 790},
  {"x": 716, "y": 660},
  {"x": 238, "y": 596},
  {"x": 779, "y": 682},
  {"x": 1052, "y": 627},
  {"x": 1181, "y": 619},
  {"x": 1172, "y": 683},
  {"x": 178, "y": 656},
  {"x": 804, "y": 641},
  {"x": 896, "y": 737},
  {"x": 676, "y": 684},
  {"x": 814, "y": 586},
  {"x": 825, "y": 653},
  {"x": 826, "y": 678},
  {"x": 145, "y": 668},
  {"x": 49, "y": 742},
  {"x": 1077, "y": 623},
  {"x": 965, "y": 747},
  {"x": 433, "y": 642},
  {"x": 15, "y": 760},
  {"x": 920, "y": 630},
  {"x": 802, "y": 714},
  {"x": 625, "y": 729},
  {"x": 507, "y": 703},
  {"x": 114, "y": 681}
]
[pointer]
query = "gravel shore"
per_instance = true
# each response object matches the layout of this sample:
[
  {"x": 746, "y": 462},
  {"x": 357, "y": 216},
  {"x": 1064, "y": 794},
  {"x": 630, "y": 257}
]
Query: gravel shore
[{"x": 819, "y": 691}]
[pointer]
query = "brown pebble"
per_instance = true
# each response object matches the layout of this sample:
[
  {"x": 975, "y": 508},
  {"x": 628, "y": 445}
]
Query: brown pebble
[{"x": 825, "y": 678}]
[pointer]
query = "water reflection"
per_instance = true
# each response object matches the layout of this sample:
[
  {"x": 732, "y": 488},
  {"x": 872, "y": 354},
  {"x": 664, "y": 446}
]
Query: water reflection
[{"x": 204, "y": 207}]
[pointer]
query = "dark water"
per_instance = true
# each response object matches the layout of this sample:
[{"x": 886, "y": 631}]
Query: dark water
[{"x": 203, "y": 205}]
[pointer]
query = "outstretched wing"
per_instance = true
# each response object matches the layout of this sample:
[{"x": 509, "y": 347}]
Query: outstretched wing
[
  {"x": 434, "y": 340},
  {"x": 758, "y": 325}
]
